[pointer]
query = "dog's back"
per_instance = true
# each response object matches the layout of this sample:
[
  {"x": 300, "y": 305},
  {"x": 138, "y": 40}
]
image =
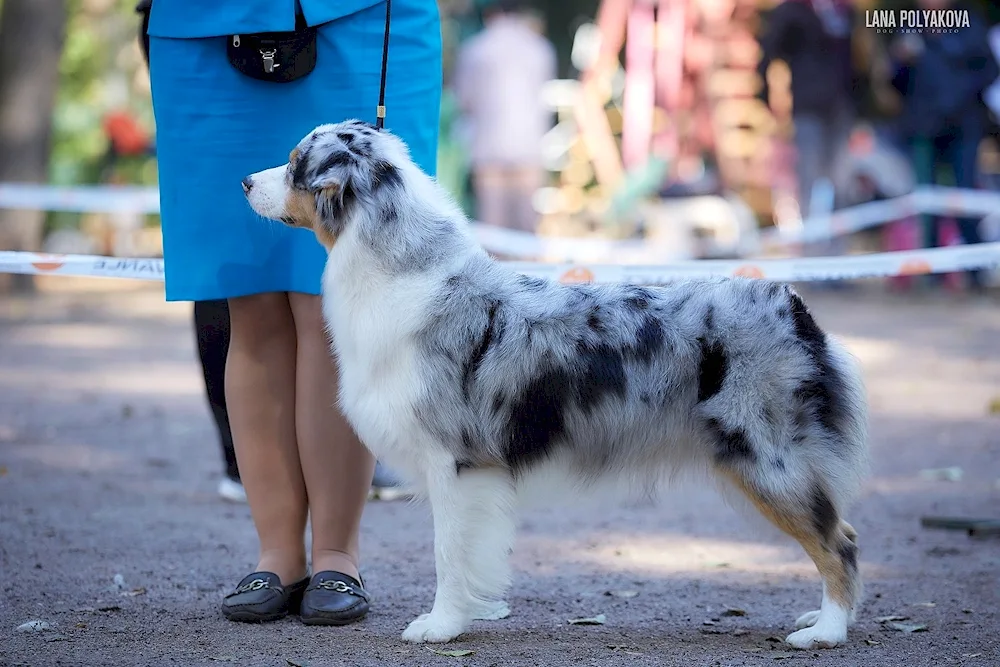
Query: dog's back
[{"x": 612, "y": 378}]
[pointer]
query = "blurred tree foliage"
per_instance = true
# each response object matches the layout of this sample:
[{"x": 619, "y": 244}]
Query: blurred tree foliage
[{"x": 101, "y": 71}]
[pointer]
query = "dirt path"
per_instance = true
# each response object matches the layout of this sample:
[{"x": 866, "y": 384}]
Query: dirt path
[{"x": 108, "y": 465}]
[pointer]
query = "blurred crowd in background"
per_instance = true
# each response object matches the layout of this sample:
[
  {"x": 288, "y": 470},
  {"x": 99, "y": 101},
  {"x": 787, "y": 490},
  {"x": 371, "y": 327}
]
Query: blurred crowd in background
[{"x": 788, "y": 108}]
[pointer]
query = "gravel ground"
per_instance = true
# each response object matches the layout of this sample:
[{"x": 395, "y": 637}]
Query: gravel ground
[{"x": 108, "y": 466}]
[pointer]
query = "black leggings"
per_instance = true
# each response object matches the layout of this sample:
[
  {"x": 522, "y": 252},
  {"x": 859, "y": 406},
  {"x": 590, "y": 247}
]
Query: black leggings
[{"x": 211, "y": 322}]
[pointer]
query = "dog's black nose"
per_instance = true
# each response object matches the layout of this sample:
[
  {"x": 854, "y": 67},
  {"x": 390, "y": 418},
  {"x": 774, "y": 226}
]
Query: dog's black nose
[{"x": 247, "y": 185}]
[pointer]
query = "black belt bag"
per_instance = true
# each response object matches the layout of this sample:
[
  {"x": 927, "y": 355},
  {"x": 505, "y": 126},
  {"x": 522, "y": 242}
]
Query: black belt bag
[{"x": 279, "y": 57}]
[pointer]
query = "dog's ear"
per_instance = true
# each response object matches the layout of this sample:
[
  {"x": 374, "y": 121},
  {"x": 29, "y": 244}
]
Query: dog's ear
[{"x": 333, "y": 200}]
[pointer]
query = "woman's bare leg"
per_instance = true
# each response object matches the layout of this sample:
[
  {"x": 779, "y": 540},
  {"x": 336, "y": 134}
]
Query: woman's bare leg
[
  {"x": 337, "y": 467},
  {"x": 261, "y": 392}
]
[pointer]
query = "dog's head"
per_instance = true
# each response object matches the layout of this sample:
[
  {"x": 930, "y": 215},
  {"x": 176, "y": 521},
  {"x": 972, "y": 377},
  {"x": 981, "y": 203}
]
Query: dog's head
[{"x": 327, "y": 174}]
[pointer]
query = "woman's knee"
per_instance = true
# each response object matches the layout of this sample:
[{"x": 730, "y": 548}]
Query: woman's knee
[
  {"x": 261, "y": 319},
  {"x": 310, "y": 327}
]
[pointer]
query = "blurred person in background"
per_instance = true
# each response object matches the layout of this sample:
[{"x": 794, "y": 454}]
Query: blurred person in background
[
  {"x": 814, "y": 38},
  {"x": 217, "y": 122},
  {"x": 499, "y": 76},
  {"x": 942, "y": 77}
]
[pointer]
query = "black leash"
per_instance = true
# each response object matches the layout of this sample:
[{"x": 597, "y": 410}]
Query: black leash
[{"x": 380, "y": 111}]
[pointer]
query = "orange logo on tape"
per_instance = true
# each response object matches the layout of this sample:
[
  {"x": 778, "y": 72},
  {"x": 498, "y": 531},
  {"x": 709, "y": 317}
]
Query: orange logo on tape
[
  {"x": 48, "y": 262},
  {"x": 749, "y": 271},
  {"x": 914, "y": 267},
  {"x": 577, "y": 274}
]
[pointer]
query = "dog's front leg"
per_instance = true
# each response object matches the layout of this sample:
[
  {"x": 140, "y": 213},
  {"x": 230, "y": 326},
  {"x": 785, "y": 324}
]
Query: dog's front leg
[{"x": 471, "y": 563}]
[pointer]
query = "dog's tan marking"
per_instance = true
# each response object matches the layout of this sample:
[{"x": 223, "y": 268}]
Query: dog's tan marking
[
  {"x": 293, "y": 156},
  {"x": 840, "y": 576},
  {"x": 300, "y": 207}
]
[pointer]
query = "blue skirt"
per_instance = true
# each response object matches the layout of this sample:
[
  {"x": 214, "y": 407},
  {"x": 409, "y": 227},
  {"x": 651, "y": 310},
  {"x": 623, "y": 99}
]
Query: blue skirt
[{"x": 214, "y": 126}]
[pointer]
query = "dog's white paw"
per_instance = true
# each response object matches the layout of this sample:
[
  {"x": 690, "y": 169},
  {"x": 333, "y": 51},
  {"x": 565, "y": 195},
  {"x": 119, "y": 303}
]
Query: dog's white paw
[
  {"x": 807, "y": 620},
  {"x": 492, "y": 610},
  {"x": 817, "y": 637},
  {"x": 433, "y": 629}
]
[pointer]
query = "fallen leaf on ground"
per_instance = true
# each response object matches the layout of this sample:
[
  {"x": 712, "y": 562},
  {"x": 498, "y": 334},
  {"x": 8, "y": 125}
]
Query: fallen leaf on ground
[
  {"x": 451, "y": 653},
  {"x": 34, "y": 626},
  {"x": 622, "y": 594},
  {"x": 887, "y": 619},
  {"x": 734, "y": 612},
  {"x": 971, "y": 655},
  {"x": 908, "y": 627},
  {"x": 924, "y": 604},
  {"x": 872, "y": 642},
  {"x": 81, "y": 625},
  {"x": 135, "y": 591},
  {"x": 595, "y": 620},
  {"x": 953, "y": 474},
  {"x": 708, "y": 622},
  {"x": 296, "y": 663},
  {"x": 968, "y": 611}
]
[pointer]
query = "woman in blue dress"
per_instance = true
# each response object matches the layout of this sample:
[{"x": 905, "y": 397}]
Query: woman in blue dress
[{"x": 298, "y": 457}]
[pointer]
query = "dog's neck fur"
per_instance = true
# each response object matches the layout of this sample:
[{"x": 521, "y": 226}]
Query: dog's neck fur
[{"x": 368, "y": 262}]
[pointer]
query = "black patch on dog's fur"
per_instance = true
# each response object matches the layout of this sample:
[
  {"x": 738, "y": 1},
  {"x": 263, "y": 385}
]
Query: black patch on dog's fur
[
  {"x": 537, "y": 419},
  {"x": 678, "y": 306},
  {"x": 824, "y": 514},
  {"x": 335, "y": 159},
  {"x": 467, "y": 439},
  {"x": 649, "y": 339},
  {"x": 348, "y": 139},
  {"x": 603, "y": 373},
  {"x": 732, "y": 445},
  {"x": 849, "y": 555},
  {"x": 498, "y": 402},
  {"x": 385, "y": 175},
  {"x": 593, "y": 321},
  {"x": 531, "y": 283},
  {"x": 824, "y": 391},
  {"x": 710, "y": 318},
  {"x": 476, "y": 359},
  {"x": 462, "y": 465},
  {"x": 300, "y": 169},
  {"x": 711, "y": 369}
]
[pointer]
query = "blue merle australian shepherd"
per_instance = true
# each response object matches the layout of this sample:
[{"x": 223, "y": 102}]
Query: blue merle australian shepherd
[{"x": 473, "y": 378}]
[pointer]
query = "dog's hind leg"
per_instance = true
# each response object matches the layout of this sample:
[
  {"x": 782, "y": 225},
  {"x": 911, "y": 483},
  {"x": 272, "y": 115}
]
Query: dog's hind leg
[
  {"x": 809, "y": 515},
  {"x": 473, "y": 533}
]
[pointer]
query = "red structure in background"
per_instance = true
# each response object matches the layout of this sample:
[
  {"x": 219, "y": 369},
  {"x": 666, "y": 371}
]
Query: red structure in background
[{"x": 690, "y": 85}]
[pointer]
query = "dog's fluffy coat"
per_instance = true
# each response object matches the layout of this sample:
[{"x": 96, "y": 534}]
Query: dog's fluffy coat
[{"x": 470, "y": 377}]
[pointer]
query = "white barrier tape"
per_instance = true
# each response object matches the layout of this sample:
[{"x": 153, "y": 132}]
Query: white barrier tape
[
  {"x": 933, "y": 200},
  {"x": 926, "y": 199},
  {"x": 145, "y": 200},
  {"x": 908, "y": 262}
]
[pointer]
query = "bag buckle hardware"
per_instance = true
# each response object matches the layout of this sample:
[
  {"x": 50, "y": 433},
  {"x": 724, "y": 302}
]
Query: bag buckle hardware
[{"x": 269, "y": 64}]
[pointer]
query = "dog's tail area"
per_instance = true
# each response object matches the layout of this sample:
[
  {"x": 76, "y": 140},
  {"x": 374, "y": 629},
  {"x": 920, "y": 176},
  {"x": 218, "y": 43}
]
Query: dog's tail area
[{"x": 805, "y": 484}]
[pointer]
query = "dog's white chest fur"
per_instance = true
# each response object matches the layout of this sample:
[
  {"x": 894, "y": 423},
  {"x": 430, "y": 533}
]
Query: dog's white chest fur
[{"x": 379, "y": 379}]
